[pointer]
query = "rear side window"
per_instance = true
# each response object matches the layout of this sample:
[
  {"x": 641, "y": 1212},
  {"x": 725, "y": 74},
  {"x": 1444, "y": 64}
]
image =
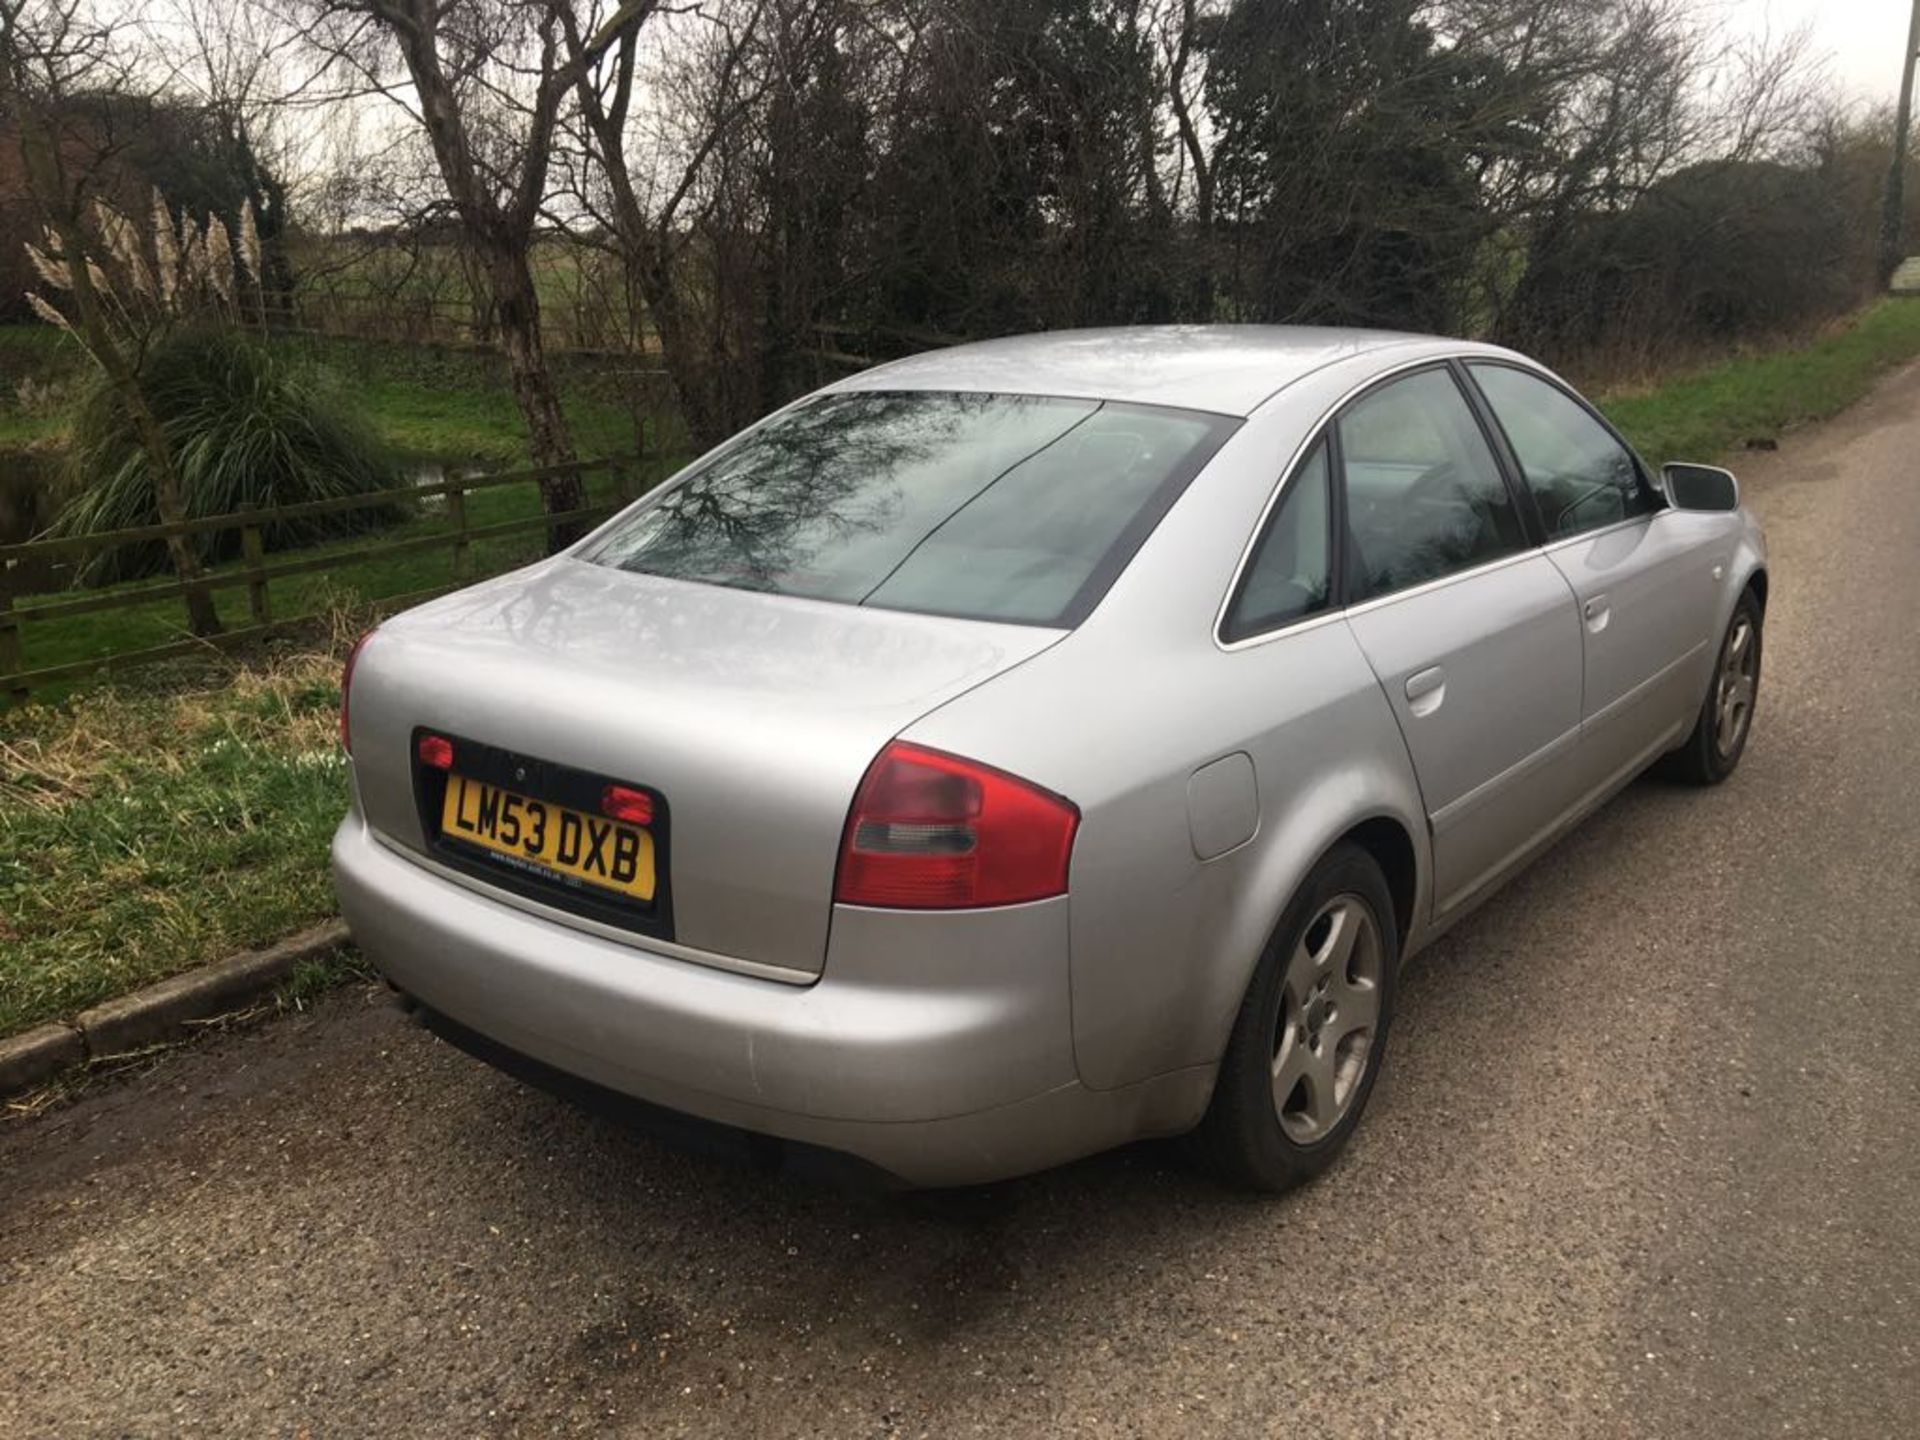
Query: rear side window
[
  {"x": 1580, "y": 476},
  {"x": 1290, "y": 573},
  {"x": 1000, "y": 507},
  {"x": 1425, "y": 496}
]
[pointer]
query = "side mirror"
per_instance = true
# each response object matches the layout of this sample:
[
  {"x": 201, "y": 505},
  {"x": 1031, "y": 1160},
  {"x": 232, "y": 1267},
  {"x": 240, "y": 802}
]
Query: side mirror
[{"x": 1700, "y": 487}]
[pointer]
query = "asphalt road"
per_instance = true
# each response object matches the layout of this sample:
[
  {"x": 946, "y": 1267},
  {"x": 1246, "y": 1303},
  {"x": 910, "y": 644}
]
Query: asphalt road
[{"x": 1645, "y": 1161}]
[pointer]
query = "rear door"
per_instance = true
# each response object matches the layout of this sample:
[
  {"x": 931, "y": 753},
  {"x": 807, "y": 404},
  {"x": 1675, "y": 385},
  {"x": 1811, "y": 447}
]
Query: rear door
[
  {"x": 1471, "y": 630},
  {"x": 1637, "y": 570}
]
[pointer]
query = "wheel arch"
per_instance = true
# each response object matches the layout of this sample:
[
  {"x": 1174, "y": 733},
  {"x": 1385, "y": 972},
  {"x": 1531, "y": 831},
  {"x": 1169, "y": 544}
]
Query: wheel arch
[
  {"x": 1386, "y": 839},
  {"x": 1388, "y": 825}
]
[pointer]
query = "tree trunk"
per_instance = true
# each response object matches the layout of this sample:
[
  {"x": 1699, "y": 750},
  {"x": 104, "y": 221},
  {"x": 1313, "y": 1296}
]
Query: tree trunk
[
  {"x": 502, "y": 236},
  {"x": 649, "y": 269},
  {"x": 517, "y": 311},
  {"x": 202, "y": 618},
  {"x": 688, "y": 364}
]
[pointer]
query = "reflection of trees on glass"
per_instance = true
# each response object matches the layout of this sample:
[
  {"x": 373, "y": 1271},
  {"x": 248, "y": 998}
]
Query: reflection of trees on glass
[
  {"x": 826, "y": 500},
  {"x": 995, "y": 506}
]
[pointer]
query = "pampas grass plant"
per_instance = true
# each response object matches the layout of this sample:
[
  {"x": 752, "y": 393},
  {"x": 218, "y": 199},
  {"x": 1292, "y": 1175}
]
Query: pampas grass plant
[{"x": 246, "y": 425}]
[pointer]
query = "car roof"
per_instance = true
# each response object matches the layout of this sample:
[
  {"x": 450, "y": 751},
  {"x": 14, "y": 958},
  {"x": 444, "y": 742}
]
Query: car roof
[{"x": 1228, "y": 369}]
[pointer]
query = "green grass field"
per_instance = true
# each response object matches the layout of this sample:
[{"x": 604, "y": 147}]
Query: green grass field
[
  {"x": 455, "y": 406},
  {"x": 33, "y": 358},
  {"x": 153, "y": 824},
  {"x": 429, "y": 403}
]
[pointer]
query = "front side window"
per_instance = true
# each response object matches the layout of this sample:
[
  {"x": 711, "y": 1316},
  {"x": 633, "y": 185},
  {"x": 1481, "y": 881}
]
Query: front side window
[
  {"x": 1289, "y": 575},
  {"x": 1000, "y": 507},
  {"x": 1424, "y": 493},
  {"x": 1581, "y": 477}
]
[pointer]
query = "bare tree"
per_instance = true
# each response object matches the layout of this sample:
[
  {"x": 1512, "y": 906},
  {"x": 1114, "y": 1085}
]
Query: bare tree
[
  {"x": 790, "y": 184},
  {"x": 651, "y": 237},
  {"x": 1178, "y": 37},
  {"x": 488, "y": 80}
]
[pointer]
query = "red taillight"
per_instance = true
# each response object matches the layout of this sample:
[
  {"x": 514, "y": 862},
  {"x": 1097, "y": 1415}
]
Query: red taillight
[
  {"x": 623, "y": 802},
  {"x": 436, "y": 752},
  {"x": 930, "y": 831},
  {"x": 346, "y": 689}
]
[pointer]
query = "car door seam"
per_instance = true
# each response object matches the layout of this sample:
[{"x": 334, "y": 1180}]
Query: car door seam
[{"x": 1400, "y": 728}]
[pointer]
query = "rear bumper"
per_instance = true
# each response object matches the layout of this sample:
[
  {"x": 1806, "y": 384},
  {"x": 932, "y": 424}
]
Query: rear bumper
[{"x": 937, "y": 1048}]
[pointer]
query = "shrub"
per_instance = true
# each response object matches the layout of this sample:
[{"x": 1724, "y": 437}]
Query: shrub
[
  {"x": 247, "y": 425},
  {"x": 1717, "y": 253}
]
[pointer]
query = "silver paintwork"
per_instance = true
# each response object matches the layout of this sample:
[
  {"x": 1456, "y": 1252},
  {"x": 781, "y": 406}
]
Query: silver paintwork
[
  {"x": 1476, "y": 717},
  {"x": 941, "y": 1053},
  {"x": 700, "y": 691},
  {"x": 1223, "y": 805},
  {"x": 1228, "y": 369},
  {"x": 1482, "y": 671}
]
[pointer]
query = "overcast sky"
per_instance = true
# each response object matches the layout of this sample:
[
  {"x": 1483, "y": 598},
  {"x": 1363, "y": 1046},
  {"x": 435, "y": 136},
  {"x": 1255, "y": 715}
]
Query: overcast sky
[{"x": 1864, "y": 37}]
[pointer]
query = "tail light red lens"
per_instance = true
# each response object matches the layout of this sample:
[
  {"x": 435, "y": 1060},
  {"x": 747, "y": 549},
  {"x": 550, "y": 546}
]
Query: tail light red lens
[
  {"x": 931, "y": 831},
  {"x": 436, "y": 752},
  {"x": 346, "y": 692},
  {"x": 623, "y": 802}
]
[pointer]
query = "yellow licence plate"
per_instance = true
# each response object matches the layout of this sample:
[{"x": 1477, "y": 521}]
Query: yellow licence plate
[{"x": 541, "y": 836}]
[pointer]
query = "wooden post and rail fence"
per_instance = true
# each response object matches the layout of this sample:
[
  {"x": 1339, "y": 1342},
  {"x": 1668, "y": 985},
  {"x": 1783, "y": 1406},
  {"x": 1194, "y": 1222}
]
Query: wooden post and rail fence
[{"x": 255, "y": 572}]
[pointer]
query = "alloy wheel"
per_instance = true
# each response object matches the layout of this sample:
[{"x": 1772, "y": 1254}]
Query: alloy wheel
[
  {"x": 1329, "y": 1010},
  {"x": 1734, "y": 687}
]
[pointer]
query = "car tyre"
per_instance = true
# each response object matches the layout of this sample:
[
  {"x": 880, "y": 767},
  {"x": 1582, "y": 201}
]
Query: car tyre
[
  {"x": 1720, "y": 731},
  {"x": 1308, "y": 1042}
]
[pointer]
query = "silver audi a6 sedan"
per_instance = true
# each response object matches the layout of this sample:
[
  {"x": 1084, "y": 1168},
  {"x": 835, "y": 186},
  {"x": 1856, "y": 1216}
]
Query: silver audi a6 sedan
[{"x": 1020, "y": 749}]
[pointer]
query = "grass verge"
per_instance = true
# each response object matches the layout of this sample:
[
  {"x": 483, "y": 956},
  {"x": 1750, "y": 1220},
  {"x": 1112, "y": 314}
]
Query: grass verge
[
  {"x": 152, "y": 827},
  {"x": 1710, "y": 414}
]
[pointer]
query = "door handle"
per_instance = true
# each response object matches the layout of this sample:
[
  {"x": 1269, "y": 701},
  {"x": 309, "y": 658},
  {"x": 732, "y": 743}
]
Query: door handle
[
  {"x": 1426, "y": 690},
  {"x": 1597, "y": 612}
]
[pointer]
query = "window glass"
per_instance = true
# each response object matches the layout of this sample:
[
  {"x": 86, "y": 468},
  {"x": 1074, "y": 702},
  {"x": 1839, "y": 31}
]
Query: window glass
[
  {"x": 1424, "y": 493},
  {"x": 1580, "y": 476},
  {"x": 1004, "y": 507},
  {"x": 1290, "y": 573}
]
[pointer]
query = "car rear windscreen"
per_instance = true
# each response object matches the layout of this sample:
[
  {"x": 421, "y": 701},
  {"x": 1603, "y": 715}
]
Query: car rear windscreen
[{"x": 998, "y": 507}]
